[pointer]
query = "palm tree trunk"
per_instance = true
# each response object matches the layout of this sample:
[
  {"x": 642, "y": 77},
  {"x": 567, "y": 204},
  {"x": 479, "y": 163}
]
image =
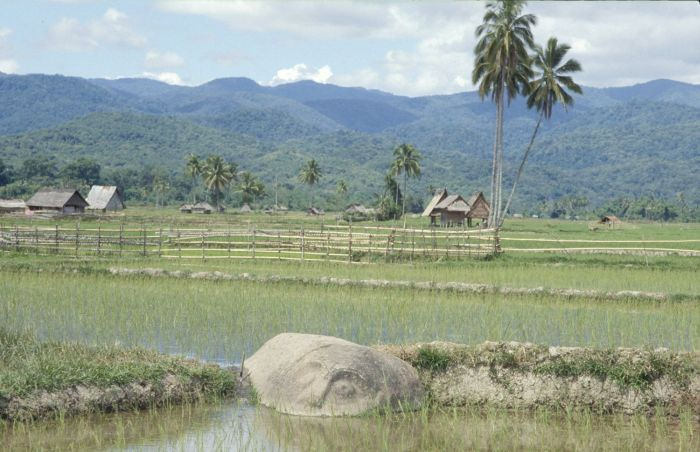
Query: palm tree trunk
[
  {"x": 403, "y": 209},
  {"x": 520, "y": 169},
  {"x": 497, "y": 164}
]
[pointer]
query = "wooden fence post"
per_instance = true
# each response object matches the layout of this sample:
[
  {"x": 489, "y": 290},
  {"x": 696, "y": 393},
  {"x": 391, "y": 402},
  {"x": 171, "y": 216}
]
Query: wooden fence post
[
  {"x": 160, "y": 242},
  {"x": 369, "y": 248},
  {"x": 279, "y": 246},
  {"x": 350, "y": 244},
  {"x": 302, "y": 242},
  {"x": 36, "y": 239},
  {"x": 77, "y": 238},
  {"x": 202, "y": 245},
  {"x": 328, "y": 246},
  {"x": 99, "y": 238},
  {"x": 253, "y": 243},
  {"x": 56, "y": 239},
  {"x": 143, "y": 228},
  {"x": 121, "y": 238},
  {"x": 16, "y": 238},
  {"x": 179, "y": 245},
  {"x": 413, "y": 243},
  {"x": 228, "y": 240}
]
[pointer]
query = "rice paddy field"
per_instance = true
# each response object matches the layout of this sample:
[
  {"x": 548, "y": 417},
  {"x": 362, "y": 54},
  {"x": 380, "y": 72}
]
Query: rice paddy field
[{"x": 65, "y": 298}]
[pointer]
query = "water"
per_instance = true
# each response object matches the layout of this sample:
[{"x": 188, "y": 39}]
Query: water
[{"x": 232, "y": 426}]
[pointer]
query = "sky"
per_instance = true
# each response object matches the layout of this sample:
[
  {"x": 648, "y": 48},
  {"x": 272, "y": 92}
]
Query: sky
[{"x": 409, "y": 48}]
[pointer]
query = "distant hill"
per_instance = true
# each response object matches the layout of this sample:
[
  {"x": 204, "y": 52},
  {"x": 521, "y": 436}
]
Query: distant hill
[{"x": 626, "y": 141}]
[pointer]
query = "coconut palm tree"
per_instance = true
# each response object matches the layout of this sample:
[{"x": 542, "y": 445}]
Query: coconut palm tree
[
  {"x": 549, "y": 87},
  {"x": 310, "y": 174},
  {"x": 251, "y": 187},
  {"x": 406, "y": 161},
  {"x": 193, "y": 169},
  {"x": 342, "y": 189},
  {"x": 218, "y": 175},
  {"x": 502, "y": 70}
]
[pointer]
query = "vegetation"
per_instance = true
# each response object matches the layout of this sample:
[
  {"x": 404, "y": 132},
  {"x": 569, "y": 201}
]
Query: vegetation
[
  {"x": 310, "y": 174},
  {"x": 546, "y": 90},
  {"x": 406, "y": 162},
  {"x": 502, "y": 68},
  {"x": 28, "y": 366}
]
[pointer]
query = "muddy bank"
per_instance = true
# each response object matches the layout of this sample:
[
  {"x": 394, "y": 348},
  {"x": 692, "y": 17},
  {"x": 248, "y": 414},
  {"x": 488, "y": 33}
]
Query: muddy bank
[
  {"x": 397, "y": 284},
  {"x": 521, "y": 375}
]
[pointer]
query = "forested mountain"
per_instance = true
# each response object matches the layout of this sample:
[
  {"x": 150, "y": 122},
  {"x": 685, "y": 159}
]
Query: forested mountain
[{"x": 615, "y": 142}]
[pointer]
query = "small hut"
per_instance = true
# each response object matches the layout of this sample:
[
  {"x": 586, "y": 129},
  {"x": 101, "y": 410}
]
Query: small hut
[
  {"x": 245, "y": 208},
  {"x": 610, "y": 220},
  {"x": 12, "y": 206},
  {"x": 105, "y": 198},
  {"x": 453, "y": 210},
  {"x": 314, "y": 211},
  {"x": 186, "y": 208},
  {"x": 61, "y": 200},
  {"x": 202, "y": 207}
]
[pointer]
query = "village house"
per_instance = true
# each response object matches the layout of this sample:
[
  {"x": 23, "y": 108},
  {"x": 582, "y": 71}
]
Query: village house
[
  {"x": 453, "y": 210},
  {"x": 58, "y": 200},
  {"x": 202, "y": 207},
  {"x": 186, "y": 208},
  {"x": 12, "y": 206},
  {"x": 105, "y": 198}
]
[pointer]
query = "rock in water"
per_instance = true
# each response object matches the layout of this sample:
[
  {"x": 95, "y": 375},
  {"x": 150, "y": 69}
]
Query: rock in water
[{"x": 311, "y": 375}]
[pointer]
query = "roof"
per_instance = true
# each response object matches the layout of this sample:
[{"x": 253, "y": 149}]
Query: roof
[
  {"x": 57, "y": 198},
  {"x": 439, "y": 196},
  {"x": 202, "y": 206},
  {"x": 448, "y": 201},
  {"x": 12, "y": 204},
  {"x": 459, "y": 206},
  {"x": 100, "y": 195},
  {"x": 186, "y": 207},
  {"x": 610, "y": 218},
  {"x": 359, "y": 208},
  {"x": 246, "y": 208}
]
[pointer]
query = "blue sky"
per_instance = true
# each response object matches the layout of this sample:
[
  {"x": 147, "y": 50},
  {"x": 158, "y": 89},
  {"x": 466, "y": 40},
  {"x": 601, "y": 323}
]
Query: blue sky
[{"x": 411, "y": 48}]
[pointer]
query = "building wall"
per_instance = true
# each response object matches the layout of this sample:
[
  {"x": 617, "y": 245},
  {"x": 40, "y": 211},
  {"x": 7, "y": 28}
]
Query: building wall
[
  {"x": 479, "y": 209},
  {"x": 452, "y": 218},
  {"x": 114, "y": 203}
]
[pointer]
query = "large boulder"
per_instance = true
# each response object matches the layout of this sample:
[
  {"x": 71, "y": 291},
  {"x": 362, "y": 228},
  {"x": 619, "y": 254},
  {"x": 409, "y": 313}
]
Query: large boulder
[{"x": 311, "y": 375}]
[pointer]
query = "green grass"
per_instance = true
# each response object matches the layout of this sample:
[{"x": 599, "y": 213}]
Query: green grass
[
  {"x": 28, "y": 365},
  {"x": 221, "y": 320}
]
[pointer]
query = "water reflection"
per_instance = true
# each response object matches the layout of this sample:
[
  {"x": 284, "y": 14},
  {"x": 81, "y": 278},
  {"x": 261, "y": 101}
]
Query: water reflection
[{"x": 230, "y": 426}]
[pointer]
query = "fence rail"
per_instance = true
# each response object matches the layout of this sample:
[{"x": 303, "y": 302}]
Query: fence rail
[{"x": 334, "y": 244}]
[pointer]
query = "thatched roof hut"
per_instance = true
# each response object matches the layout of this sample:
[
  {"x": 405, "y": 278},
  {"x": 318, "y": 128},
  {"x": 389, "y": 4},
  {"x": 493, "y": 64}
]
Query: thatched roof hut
[
  {"x": 12, "y": 206},
  {"x": 610, "y": 220},
  {"x": 104, "y": 198},
  {"x": 315, "y": 211},
  {"x": 186, "y": 208},
  {"x": 202, "y": 207},
  {"x": 245, "y": 208},
  {"x": 61, "y": 200},
  {"x": 454, "y": 209}
]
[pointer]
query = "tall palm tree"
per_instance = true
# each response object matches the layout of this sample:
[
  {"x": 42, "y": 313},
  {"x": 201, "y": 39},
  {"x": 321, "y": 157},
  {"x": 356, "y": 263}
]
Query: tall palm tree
[
  {"x": 342, "y": 189},
  {"x": 310, "y": 174},
  {"x": 251, "y": 187},
  {"x": 193, "y": 168},
  {"x": 218, "y": 175},
  {"x": 406, "y": 161},
  {"x": 551, "y": 80},
  {"x": 502, "y": 69}
]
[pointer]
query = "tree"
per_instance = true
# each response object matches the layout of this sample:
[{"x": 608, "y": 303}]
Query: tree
[
  {"x": 406, "y": 161},
  {"x": 83, "y": 171},
  {"x": 548, "y": 88},
  {"x": 251, "y": 187},
  {"x": 217, "y": 175},
  {"x": 41, "y": 168},
  {"x": 310, "y": 174},
  {"x": 193, "y": 169},
  {"x": 5, "y": 173},
  {"x": 160, "y": 187},
  {"x": 342, "y": 189},
  {"x": 502, "y": 68}
]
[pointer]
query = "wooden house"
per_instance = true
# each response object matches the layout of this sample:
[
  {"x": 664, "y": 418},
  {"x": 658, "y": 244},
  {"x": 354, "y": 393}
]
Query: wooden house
[
  {"x": 453, "y": 210},
  {"x": 314, "y": 211},
  {"x": 61, "y": 200},
  {"x": 12, "y": 206},
  {"x": 202, "y": 207},
  {"x": 105, "y": 198},
  {"x": 186, "y": 208},
  {"x": 610, "y": 221}
]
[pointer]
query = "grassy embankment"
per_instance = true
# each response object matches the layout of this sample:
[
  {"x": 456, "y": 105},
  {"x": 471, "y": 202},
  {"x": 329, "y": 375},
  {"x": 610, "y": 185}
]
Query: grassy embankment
[{"x": 46, "y": 379}]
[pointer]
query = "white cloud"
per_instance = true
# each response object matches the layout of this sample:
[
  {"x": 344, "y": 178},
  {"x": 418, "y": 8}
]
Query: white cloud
[
  {"x": 8, "y": 66},
  {"x": 163, "y": 60},
  {"x": 171, "y": 78},
  {"x": 111, "y": 28},
  {"x": 302, "y": 72}
]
